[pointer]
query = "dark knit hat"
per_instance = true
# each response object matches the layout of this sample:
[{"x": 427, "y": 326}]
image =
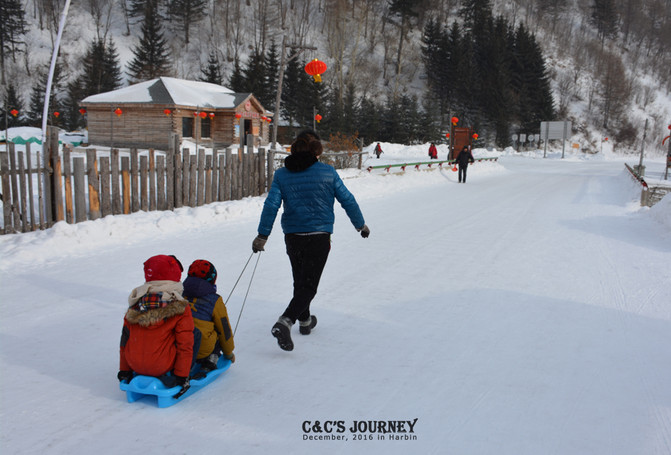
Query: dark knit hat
[
  {"x": 200, "y": 268},
  {"x": 162, "y": 267}
]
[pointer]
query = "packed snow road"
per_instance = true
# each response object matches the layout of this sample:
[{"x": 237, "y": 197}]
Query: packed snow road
[{"x": 524, "y": 312}]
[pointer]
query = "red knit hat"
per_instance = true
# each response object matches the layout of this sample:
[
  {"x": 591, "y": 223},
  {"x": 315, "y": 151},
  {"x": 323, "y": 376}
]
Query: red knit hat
[
  {"x": 201, "y": 268},
  {"x": 163, "y": 267}
]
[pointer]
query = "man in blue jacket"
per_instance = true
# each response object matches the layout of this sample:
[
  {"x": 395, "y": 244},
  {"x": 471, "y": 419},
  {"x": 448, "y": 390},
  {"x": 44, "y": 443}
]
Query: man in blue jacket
[{"x": 308, "y": 189}]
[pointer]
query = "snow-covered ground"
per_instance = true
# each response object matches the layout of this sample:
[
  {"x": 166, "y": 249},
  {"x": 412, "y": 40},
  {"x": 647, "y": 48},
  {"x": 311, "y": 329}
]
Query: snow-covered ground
[{"x": 525, "y": 312}]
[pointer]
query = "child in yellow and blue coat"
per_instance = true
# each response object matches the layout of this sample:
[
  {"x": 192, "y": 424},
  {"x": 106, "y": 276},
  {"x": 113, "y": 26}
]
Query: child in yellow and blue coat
[{"x": 210, "y": 316}]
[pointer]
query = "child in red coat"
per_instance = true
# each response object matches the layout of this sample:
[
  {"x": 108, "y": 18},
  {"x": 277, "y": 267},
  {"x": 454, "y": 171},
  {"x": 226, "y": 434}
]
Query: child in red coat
[{"x": 157, "y": 336}]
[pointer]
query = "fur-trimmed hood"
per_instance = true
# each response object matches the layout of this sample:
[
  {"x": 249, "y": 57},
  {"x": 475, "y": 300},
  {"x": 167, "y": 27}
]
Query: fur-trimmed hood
[{"x": 171, "y": 292}]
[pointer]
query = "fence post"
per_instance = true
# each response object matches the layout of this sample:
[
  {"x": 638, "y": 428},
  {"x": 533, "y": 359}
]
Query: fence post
[
  {"x": 208, "y": 178},
  {"x": 31, "y": 203},
  {"x": 12, "y": 198},
  {"x": 80, "y": 190},
  {"x": 228, "y": 175},
  {"x": 193, "y": 180},
  {"x": 126, "y": 185},
  {"x": 116, "y": 196},
  {"x": 144, "y": 168},
  {"x": 200, "y": 190},
  {"x": 24, "y": 194},
  {"x": 160, "y": 183},
  {"x": 177, "y": 160},
  {"x": 67, "y": 175},
  {"x": 170, "y": 179},
  {"x": 6, "y": 193},
  {"x": 215, "y": 176},
  {"x": 40, "y": 192},
  {"x": 261, "y": 171},
  {"x": 134, "y": 181},
  {"x": 186, "y": 176},
  {"x": 94, "y": 184},
  {"x": 152, "y": 179},
  {"x": 106, "y": 193}
]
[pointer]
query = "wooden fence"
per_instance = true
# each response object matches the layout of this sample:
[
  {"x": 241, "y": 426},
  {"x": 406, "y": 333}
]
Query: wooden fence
[{"x": 79, "y": 185}]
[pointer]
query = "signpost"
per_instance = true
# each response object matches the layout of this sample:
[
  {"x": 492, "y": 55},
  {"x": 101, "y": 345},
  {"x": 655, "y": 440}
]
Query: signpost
[{"x": 555, "y": 130}]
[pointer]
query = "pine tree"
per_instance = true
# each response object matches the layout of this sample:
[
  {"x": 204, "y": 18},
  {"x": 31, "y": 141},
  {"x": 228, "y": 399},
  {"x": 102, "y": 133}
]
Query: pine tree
[
  {"x": 605, "y": 18},
  {"x": 152, "y": 58},
  {"x": 36, "y": 109},
  {"x": 13, "y": 27},
  {"x": 291, "y": 91},
  {"x": 255, "y": 76},
  {"x": 185, "y": 13},
  {"x": 102, "y": 72},
  {"x": 11, "y": 101},
  {"x": 475, "y": 13},
  {"x": 75, "y": 94},
  {"x": 237, "y": 81},
  {"x": 368, "y": 122},
  {"x": 272, "y": 65},
  {"x": 212, "y": 73},
  {"x": 531, "y": 82}
]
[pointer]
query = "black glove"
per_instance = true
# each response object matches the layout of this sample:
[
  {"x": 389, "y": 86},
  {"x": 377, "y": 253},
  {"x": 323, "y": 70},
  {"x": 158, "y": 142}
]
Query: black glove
[
  {"x": 365, "y": 232},
  {"x": 259, "y": 242},
  {"x": 124, "y": 376},
  {"x": 183, "y": 382}
]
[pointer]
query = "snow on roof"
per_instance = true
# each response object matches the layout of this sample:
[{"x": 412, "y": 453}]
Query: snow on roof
[{"x": 168, "y": 90}]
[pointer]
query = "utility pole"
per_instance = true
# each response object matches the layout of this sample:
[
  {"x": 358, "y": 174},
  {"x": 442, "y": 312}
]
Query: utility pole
[{"x": 280, "y": 80}]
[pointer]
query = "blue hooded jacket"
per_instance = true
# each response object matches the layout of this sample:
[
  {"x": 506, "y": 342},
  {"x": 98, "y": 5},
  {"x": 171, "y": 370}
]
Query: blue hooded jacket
[{"x": 308, "y": 189}]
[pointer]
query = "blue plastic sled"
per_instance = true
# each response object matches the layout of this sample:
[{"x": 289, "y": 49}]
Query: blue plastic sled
[{"x": 141, "y": 386}]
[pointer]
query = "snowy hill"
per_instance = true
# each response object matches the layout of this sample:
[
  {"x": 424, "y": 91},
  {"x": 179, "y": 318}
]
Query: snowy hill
[{"x": 525, "y": 312}]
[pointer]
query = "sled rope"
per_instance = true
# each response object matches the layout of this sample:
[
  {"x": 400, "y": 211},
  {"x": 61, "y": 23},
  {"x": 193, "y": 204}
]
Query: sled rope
[
  {"x": 238, "y": 280},
  {"x": 247, "y": 293}
]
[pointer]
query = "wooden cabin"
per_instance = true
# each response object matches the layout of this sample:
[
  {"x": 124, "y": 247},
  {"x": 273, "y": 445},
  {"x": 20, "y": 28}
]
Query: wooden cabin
[{"x": 148, "y": 114}]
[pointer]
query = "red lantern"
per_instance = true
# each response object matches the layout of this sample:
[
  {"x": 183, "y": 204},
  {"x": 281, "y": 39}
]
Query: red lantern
[
  {"x": 82, "y": 111},
  {"x": 238, "y": 115},
  {"x": 455, "y": 120},
  {"x": 318, "y": 118},
  {"x": 211, "y": 114},
  {"x": 316, "y": 68},
  {"x": 447, "y": 135},
  {"x": 14, "y": 112},
  {"x": 167, "y": 111},
  {"x": 56, "y": 114},
  {"x": 605, "y": 139},
  {"x": 203, "y": 114},
  {"x": 475, "y": 136},
  {"x": 263, "y": 117},
  {"x": 118, "y": 112}
]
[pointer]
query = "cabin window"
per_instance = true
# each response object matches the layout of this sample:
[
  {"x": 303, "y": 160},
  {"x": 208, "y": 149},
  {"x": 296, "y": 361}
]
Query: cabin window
[
  {"x": 206, "y": 127},
  {"x": 187, "y": 127}
]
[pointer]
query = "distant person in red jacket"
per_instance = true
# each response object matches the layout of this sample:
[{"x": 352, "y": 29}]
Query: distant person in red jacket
[
  {"x": 433, "y": 151},
  {"x": 157, "y": 335},
  {"x": 378, "y": 150}
]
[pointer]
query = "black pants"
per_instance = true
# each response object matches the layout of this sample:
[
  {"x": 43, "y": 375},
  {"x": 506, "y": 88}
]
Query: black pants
[
  {"x": 308, "y": 254},
  {"x": 462, "y": 172}
]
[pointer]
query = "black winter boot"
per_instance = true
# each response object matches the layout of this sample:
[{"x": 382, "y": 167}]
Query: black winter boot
[
  {"x": 282, "y": 331},
  {"x": 305, "y": 327}
]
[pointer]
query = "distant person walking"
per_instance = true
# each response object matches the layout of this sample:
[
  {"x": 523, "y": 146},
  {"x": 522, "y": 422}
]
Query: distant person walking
[
  {"x": 433, "y": 151},
  {"x": 307, "y": 190},
  {"x": 464, "y": 157},
  {"x": 378, "y": 150}
]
